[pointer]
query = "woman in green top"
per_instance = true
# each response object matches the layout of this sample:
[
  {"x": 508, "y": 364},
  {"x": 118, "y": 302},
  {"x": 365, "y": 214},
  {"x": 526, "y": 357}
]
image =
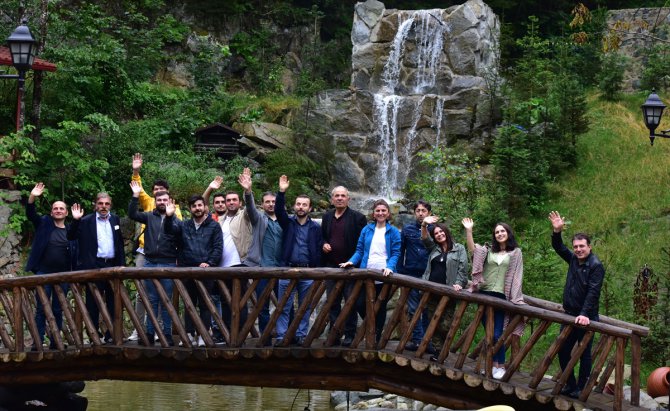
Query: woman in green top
[{"x": 497, "y": 270}]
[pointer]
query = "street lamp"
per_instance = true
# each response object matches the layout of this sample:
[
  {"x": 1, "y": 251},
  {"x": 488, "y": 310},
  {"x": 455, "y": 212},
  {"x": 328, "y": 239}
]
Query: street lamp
[
  {"x": 652, "y": 110},
  {"x": 22, "y": 46}
]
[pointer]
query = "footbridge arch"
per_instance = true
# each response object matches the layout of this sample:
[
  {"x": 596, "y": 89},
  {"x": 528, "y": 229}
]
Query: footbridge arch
[{"x": 457, "y": 375}]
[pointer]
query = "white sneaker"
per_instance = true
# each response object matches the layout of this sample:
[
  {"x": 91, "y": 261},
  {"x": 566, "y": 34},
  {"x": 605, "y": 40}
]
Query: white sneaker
[
  {"x": 133, "y": 336},
  {"x": 498, "y": 373},
  {"x": 156, "y": 337},
  {"x": 191, "y": 339},
  {"x": 201, "y": 342}
]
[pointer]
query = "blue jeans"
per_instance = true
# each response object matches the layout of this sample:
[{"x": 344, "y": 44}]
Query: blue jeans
[
  {"x": 40, "y": 317},
  {"x": 155, "y": 300},
  {"x": 412, "y": 304},
  {"x": 565, "y": 353},
  {"x": 283, "y": 320},
  {"x": 498, "y": 324}
]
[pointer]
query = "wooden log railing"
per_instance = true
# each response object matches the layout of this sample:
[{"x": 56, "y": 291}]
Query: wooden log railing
[{"x": 466, "y": 353}]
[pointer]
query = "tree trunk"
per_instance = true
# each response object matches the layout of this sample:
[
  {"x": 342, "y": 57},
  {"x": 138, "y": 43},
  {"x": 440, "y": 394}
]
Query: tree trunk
[{"x": 35, "y": 117}]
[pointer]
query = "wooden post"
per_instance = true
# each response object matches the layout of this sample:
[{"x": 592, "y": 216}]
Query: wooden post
[
  {"x": 636, "y": 354},
  {"x": 19, "y": 344},
  {"x": 370, "y": 328},
  {"x": 618, "y": 374},
  {"x": 117, "y": 321}
]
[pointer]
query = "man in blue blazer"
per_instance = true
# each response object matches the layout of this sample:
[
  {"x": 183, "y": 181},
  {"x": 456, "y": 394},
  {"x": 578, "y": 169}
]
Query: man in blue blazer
[{"x": 100, "y": 246}]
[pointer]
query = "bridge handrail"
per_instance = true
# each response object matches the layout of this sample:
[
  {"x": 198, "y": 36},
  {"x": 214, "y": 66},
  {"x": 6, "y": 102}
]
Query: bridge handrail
[{"x": 613, "y": 332}]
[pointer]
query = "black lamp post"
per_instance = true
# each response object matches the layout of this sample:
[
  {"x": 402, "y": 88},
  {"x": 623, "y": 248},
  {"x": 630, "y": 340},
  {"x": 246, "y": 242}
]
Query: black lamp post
[
  {"x": 22, "y": 46},
  {"x": 652, "y": 110}
]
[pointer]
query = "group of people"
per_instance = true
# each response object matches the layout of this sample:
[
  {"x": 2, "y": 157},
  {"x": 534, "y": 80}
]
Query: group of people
[{"x": 237, "y": 236}]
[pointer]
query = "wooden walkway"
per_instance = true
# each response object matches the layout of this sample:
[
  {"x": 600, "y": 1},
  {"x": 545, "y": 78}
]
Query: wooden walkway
[{"x": 459, "y": 375}]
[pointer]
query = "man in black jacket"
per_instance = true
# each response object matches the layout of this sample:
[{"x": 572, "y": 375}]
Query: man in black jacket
[
  {"x": 160, "y": 250},
  {"x": 341, "y": 227},
  {"x": 200, "y": 245},
  {"x": 51, "y": 253},
  {"x": 100, "y": 246},
  {"x": 580, "y": 298}
]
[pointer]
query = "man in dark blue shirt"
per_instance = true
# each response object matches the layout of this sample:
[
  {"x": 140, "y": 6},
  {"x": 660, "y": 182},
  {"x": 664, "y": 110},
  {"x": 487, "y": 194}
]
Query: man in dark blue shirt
[
  {"x": 302, "y": 244},
  {"x": 413, "y": 261},
  {"x": 580, "y": 298}
]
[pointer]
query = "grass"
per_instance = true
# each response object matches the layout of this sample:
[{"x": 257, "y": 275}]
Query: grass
[{"x": 618, "y": 192}]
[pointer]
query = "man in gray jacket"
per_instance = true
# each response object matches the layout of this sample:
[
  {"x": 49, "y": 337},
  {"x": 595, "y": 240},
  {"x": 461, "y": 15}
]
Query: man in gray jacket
[
  {"x": 266, "y": 238},
  {"x": 160, "y": 249}
]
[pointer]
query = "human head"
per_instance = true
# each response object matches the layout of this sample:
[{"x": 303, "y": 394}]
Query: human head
[
  {"x": 581, "y": 246},
  {"x": 196, "y": 204},
  {"x": 103, "y": 204},
  {"x": 441, "y": 234},
  {"x": 381, "y": 211},
  {"x": 269, "y": 203},
  {"x": 219, "y": 203},
  {"x": 160, "y": 185},
  {"x": 339, "y": 197},
  {"x": 421, "y": 210},
  {"x": 233, "y": 202},
  {"x": 502, "y": 232},
  {"x": 58, "y": 211},
  {"x": 302, "y": 205},
  {"x": 162, "y": 198}
]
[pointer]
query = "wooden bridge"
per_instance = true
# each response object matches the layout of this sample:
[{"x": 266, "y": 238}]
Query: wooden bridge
[{"x": 458, "y": 376}]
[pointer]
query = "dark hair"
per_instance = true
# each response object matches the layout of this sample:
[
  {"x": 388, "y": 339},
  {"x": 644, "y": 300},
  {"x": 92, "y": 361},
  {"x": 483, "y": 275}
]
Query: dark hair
[
  {"x": 511, "y": 241},
  {"x": 218, "y": 195},
  {"x": 194, "y": 199},
  {"x": 582, "y": 236},
  {"x": 447, "y": 233},
  {"x": 270, "y": 193},
  {"x": 161, "y": 193},
  {"x": 162, "y": 183},
  {"x": 377, "y": 203},
  {"x": 232, "y": 192},
  {"x": 304, "y": 196},
  {"x": 423, "y": 203}
]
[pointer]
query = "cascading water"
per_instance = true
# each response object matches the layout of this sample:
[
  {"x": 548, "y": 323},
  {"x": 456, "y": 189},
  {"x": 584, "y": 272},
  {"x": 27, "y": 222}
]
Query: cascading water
[{"x": 424, "y": 30}]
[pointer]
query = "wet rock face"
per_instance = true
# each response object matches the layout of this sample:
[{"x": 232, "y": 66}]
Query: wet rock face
[{"x": 419, "y": 80}]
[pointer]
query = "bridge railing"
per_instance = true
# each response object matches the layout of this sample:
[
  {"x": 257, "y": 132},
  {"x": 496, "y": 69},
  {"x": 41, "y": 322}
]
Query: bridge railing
[{"x": 466, "y": 347}]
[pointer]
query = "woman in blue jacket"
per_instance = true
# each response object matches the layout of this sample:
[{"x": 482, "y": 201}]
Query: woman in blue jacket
[{"x": 378, "y": 248}]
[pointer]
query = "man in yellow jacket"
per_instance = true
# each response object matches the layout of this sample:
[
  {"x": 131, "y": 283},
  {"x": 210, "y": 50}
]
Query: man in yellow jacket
[{"x": 147, "y": 203}]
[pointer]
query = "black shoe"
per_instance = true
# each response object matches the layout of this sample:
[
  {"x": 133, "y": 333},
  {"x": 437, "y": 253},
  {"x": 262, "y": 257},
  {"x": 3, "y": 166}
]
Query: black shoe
[
  {"x": 52, "y": 346},
  {"x": 150, "y": 337},
  {"x": 431, "y": 349},
  {"x": 299, "y": 341},
  {"x": 571, "y": 392},
  {"x": 170, "y": 341},
  {"x": 434, "y": 358},
  {"x": 34, "y": 348},
  {"x": 279, "y": 342},
  {"x": 219, "y": 340},
  {"x": 347, "y": 341},
  {"x": 411, "y": 346}
]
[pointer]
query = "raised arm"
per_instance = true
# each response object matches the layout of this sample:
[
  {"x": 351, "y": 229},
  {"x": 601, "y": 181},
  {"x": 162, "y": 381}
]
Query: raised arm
[
  {"x": 280, "y": 203},
  {"x": 250, "y": 206},
  {"x": 145, "y": 200},
  {"x": 72, "y": 231},
  {"x": 213, "y": 186},
  {"x": 31, "y": 211},
  {"x": 557, "y": 225},
  {"x": 468, "y": 224},
  {"x": 431, "y": 219},
  {"x": 133, "y": 212}
]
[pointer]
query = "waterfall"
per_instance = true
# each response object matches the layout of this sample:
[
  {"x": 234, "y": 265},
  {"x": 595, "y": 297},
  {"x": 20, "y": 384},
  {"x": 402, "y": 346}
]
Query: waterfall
[
  {"x": 425, "y": 29},
  {"x": 437, "y": 119}
]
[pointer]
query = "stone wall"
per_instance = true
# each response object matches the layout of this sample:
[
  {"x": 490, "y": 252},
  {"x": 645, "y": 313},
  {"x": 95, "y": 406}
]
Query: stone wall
[
  {"x": 418, "y": 82},
  {"x": 10, "y": 252},
  {"x": 638, "y": 30}
]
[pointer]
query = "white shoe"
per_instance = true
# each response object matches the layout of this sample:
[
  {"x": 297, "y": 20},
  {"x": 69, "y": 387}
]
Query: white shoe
[
  {"x": 191, "y": 339},
  {"x": 201, "y": 342},
  {"x": 133, "y": 336},
  {"x": 498, "y": 373},
  {"x": 156, "y": 337}
]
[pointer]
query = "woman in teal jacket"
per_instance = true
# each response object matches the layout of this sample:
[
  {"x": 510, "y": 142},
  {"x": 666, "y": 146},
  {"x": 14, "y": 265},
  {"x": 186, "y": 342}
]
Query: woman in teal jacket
[{"x": 378, "y": 248}]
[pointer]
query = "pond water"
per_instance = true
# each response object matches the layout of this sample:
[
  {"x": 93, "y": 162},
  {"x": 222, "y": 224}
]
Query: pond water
[{"x": 106, "y": 395}]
